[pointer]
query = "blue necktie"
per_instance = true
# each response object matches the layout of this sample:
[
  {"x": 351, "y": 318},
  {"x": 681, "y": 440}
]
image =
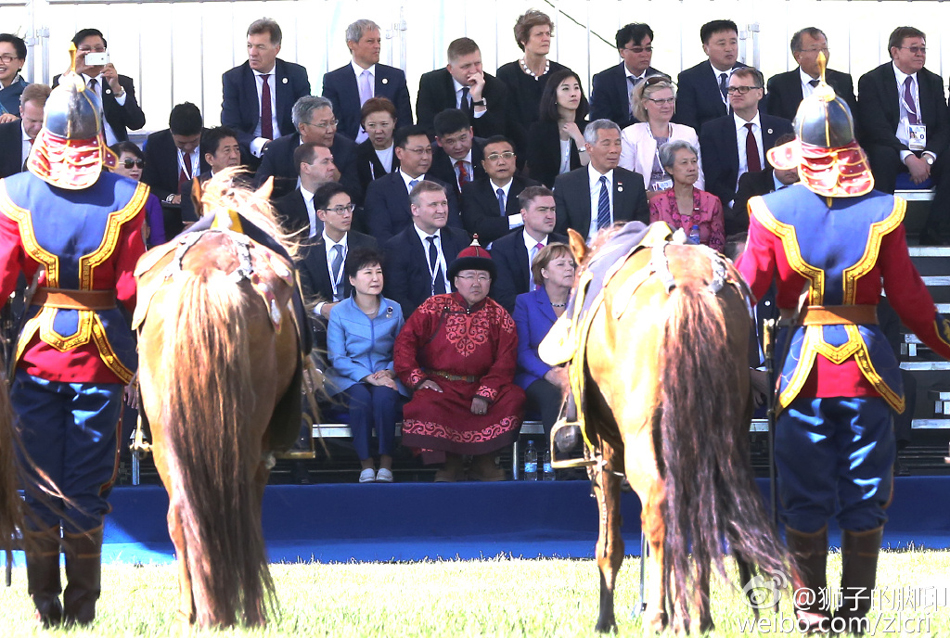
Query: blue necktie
[
  {"x": 603, "y": 205},
  {"x": 438, "y": 283},
  {"x": 412, "y": 184},
  {"x": 336, "y": 272},
  {"x": 501, "y": 201},
  {"x": 723, "y": 87}
]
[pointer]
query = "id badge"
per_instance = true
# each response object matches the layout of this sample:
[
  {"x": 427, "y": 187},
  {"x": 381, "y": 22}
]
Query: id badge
[
  {"x": 663, "y": 184},
  {"x": 917, "y": 137}
]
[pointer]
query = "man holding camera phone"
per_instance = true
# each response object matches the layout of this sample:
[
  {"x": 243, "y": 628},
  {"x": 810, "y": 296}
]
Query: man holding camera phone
[{"x": 116, "y": 92}]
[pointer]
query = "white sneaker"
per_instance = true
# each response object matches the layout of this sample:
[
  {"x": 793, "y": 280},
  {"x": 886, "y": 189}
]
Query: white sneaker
[
  {"x": 368, "y": 475},
  {"x": 384, "y": 475}
]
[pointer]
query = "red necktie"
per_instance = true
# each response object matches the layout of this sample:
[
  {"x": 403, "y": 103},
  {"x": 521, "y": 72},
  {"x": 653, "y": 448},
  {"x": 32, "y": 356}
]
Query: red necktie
[
  {"x": 463, "y": 174},
  {"x": 267, "y": 125},
  {"x": 752, "y": 151},
  {"x": 182, "y": 176}
]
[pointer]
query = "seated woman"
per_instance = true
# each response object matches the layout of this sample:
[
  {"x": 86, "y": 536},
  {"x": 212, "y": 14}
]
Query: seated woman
[
  {"x": 376, "y": 156},
  {"x": 360, "y": 340},
  {"x": 654, "y": 104},
  {"x": 556, "y": 141},
  {"x": 684, "y": 205},
  {"x": 131, "y": 163},
  {"x": 457, "y": 353},
  {"x": 535, "y": 313}
]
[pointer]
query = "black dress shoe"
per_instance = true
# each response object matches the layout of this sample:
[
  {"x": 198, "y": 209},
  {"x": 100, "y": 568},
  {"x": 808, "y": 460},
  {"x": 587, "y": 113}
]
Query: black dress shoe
[{"x": 930, "y": 238}]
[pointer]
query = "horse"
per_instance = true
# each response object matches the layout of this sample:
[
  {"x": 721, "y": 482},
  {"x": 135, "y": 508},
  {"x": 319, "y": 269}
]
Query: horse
[
  {"x": 667, "y": 404},
  {"x": 219, "y": 361}
]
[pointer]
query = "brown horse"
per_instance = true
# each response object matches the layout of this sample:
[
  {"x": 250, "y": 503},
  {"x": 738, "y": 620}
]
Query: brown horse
[
  {"x": 218, "y": 350},
  {"x": 667, "y": 405}
]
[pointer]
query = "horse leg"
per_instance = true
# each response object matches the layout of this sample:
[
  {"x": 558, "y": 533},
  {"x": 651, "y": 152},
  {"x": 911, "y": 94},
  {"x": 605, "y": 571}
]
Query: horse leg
[
  {"x": 609, "y": 542},
  {"x": 654, "y": 527},
  {"x": 186, "y": 601}
]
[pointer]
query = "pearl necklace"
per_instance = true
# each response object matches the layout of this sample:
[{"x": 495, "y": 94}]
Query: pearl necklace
[
  {"x": 524, "y": 67},
  {"x": 558, "y": 305}
]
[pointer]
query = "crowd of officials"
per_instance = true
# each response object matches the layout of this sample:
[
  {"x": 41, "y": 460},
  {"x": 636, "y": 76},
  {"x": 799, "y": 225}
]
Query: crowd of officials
[{"x": 387, "y": 201}]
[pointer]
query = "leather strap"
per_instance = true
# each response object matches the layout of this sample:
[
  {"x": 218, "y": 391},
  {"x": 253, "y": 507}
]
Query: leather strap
[
  {"x": 452, "y": 377},
  {"x": 859, "y": 315},
  {"x": 74, "y": 299}
]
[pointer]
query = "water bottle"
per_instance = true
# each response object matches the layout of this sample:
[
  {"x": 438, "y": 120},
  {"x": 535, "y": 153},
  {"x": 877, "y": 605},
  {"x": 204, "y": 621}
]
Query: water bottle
[
  {"x": 531, "y": 463},
  {"x": 694, "y": 234},
  {"x": 548, "y": 468}
]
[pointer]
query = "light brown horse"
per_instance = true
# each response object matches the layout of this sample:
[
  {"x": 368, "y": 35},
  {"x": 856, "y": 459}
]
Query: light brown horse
[
  {"x": 668, "y": 406},
  {"x": 218, "y": 351}
]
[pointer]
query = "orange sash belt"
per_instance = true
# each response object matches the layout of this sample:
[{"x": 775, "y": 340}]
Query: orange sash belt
[
  {"x": 832, "y": 316},
  {"x": 74, "y": 299}
]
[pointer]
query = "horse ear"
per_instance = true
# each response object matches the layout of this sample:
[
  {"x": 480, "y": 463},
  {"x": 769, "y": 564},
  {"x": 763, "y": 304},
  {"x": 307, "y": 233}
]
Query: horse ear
[
  {"x": 266, "y": 188},
  {"x": 196, "y": 192},
  {"x": 578, "y": 245}
]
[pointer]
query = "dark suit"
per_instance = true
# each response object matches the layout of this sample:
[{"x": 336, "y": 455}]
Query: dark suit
[
  {"x": 572, "y": 199},
  {"x": 314, "y": 273},
  {"x": 368, "y": 166},
  {"x": 161, "y": 164},
  {"x": 443, "y": 166},
  {"x": 121, "y": 118},
  {"x": 878, "y": 116},
  {"x": 719, "y": 145},
  {"x": 278, "y": 160},
  {"x": 785, "y": 91},
  {"x": 750, "y": 185},
  {"x": 340, "y": 87},
  {"x": 514, "y": 272},
  {"x": 480, "y": 212},
  {"x": 188, "y": 213},
  {"x": 698, "y": 98},
  {"x": 407, "y": 265},
  {"x": 437, "y": 93},
  {"x": 11, "y": 148},
  {"x": 387, "y": 208},
  {"x": 241, "y": 110},
  {"x": 543, "y": 156},
  {"x": 610, "y": 95},
  {"x": 294, "y": 216}
]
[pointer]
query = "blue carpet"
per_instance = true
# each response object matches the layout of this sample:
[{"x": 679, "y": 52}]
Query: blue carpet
[{"x": 414, "y": 521}]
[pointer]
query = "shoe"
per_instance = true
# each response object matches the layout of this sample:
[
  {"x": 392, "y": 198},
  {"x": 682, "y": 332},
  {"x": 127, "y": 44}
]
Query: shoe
[
  {"x": 452, "y": 471},
  {"x": 384, "y": 475},
  {"x": 368, "y": 475},
  {"x": 83, "y": 576},
  {"x": 484, "y": 469}
]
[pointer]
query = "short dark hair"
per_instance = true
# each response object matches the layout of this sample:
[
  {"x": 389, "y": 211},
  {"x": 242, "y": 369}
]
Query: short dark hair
[
  {"x": 359, "y": 258},
  {"x": 633, "y": 32},
  {"x": 461, "y": 46},
  {"x": 707, "y": 30},
  {"x": 185, "y": 119},
  {"x": 731, "y": 249},
  {"x": 548, "y": 104},
  {"x": 500, "y": 139},
  {"x": 450, "y": 121},
  {"x": 127, "y": 147},
  {"x": 751, "y": 72},
  {"x": 268, "y": 26},
  {"x": 211, "y": 140},
  {"x": 811, "y": 32},
  {"x": 403, "y": 134},
  {"x": 17, "y": 43},
  {"x": 784, "y": 138},
  {"x": 376, "y": 105},
  {"x": 531, "y": 193},
  {"x": 527, "y": 21},
  {"x": 897, "y": 37},
  {"x": 82, "y": 34},
  {"x": 304, "y": 153},
  {"x": 326, "y": 192}
]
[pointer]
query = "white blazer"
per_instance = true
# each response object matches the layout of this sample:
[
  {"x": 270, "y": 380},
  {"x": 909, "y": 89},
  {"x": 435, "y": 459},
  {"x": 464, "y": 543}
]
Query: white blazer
[{"x": 639, "y": 149}]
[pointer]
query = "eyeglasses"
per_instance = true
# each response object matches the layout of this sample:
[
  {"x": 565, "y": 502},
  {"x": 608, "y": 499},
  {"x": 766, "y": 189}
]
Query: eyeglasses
[
  {"x": 6, "y": 58},
  {"x": 330, "y": 124},
  {"x": 481, "y": 278},
  {"x": 423, "y": 150},
  {"x": 129, "y": 163},
  {"x": 662, "y": 101},
  {"x": 648, "y": 49},
  {"x": 825, "y": 50},
  {"x": 915, "y": 50},
  {"x": 340, "y": 210},
  {"x": 494, "y": 157},
  {"x": 741, "y": 90}
]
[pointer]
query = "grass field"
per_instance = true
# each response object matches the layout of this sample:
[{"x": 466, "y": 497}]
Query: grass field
[{"x": 500, "y": 597}]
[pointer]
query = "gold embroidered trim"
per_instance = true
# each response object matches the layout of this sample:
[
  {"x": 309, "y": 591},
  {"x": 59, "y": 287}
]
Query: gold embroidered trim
[
  {"x": 786, "y": 232},
  {"x": 32, "y": 247},
  {"x": 87, "y": 263},
  {"x": 106, "y": 353},
  {"x": 878, "y": 230}
]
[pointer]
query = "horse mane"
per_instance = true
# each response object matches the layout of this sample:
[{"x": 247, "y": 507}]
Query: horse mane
[{"x": 603, "y": 236}]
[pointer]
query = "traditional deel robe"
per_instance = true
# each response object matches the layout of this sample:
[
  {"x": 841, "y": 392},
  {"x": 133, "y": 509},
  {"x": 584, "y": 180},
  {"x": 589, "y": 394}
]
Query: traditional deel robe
[{"x": 468, "y": 352}]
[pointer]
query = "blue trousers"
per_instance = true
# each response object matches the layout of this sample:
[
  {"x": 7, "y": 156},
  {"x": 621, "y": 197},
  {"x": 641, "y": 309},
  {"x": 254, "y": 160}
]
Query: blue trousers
[
  {"x": 372, "y": 405},
  {"x": 835, "y": 457},
  {"x": 70, "y": 432}
]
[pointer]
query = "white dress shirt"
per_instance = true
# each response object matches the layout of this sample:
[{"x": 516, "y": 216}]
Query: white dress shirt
[
  {"x": 469, "y": 168},
  {"x": 530, "y": 243},
  {"x": 716, "y": 74},
  {"x": 259, "y": 141},
  {"x": 336, "y": 278},
  {"x": 741, "y": 134},
  {"x": 407, "y": 179},
  {"x": 458, "y": 100},
  {"x": 27, "y": 142},
  {"x": 190, "y": 164},
  {"x": 807, "y": 88},
  {"x": 594, "y": 177},
  {"x": 513, "y": 220},
  {"x": 315, "y": 224},
  {"x": 425, "y": 251},
  {"x": 903, "y": 130},
  {"x": 120, "y": 100}
]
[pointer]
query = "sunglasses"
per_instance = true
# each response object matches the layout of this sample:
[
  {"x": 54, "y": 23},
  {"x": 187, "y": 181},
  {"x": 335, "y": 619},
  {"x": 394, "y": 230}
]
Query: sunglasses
[{"x": 129, "y": 163}]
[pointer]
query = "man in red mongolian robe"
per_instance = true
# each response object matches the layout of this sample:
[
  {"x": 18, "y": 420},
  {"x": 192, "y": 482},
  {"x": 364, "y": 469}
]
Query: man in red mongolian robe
[{"x": 458, "y": 353}]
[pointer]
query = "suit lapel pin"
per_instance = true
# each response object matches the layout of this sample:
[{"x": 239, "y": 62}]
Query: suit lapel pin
[
  {"x": 619, "y": 187},
  {"x": 108, "y": 91},
  {"x": 284, "y": 81},
  {"x": 770, "y": 131},
  {"x": 385, "y": 80}
]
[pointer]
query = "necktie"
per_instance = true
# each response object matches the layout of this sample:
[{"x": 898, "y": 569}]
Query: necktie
[
  {"x": 534, "y": 253},
  {"x": 438, "y": 283},
  {"x": 267, "y": 117},
  {"x": 603, "y": 205},
  {"x": 183, "y": 175},
  {"x": 463, "y": 103},
  {"x": 366, "y": 88},
  {"x": 335, "y": 272},
  {"x": 93, "y": 83},
  {"x": 909, "y": 101},
  {"x": 752, "y": 151},
  {"x": 412, "y": 184},
  {"x": 723, "y": 86},
  {"x": 464, "y": 177},
  {"x": 501, "y": 201},
  {"x": 813, "y": 83},
  {"x": 633, "y": 82}
]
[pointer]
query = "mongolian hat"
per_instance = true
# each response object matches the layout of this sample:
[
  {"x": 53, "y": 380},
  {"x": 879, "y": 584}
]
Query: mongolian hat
[
  {"x": 829, "y": 161},
  {"x": 472, "y": 258},
  {"x": 70, "y": 149}
]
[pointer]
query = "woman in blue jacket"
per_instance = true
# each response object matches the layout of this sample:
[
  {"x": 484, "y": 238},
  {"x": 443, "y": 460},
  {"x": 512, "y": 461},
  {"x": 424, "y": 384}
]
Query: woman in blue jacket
[{"x": 360, "y": 339}]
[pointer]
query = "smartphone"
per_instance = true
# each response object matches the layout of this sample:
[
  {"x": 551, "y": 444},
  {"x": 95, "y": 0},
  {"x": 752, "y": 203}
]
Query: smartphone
[{"x": 97, "y": 59}]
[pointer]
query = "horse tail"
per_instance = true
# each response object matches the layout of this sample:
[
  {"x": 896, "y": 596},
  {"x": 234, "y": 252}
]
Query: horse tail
[
  {"x": 710, "y": 489},
  {"x": 208, "y": 409}
]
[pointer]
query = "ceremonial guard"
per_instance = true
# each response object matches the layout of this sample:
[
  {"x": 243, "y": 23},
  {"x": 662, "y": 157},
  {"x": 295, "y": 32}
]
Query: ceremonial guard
[
  {"x": 75, "y": 231},
  {"x": 832, "y": 241}
]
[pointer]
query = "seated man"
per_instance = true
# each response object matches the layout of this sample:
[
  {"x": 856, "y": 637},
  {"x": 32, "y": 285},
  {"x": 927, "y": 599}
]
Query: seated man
[
  {"x": 490, "y": 205},
  {"x": 514, "y": 253},
  {"x": 387, "y": 208},
  {"x": 457, "y": 157},
  {"x": 458, "y": 354},
  {"x": 313, "y": 116},
  {"x": 611, "y": 88},
  {"x": 17, "y": 136},
  {"x": 463, "y": 85},
  {"x": 702, "y": 90},
  {"x": 221, "y": 150},
  {"x": 173, "y": 156},
  {"x": 315, "y": 168}
]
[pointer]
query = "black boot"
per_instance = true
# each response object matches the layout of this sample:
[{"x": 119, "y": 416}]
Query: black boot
[
  {"x": 811, "y": 555},
  {"x": 859, "y": 552},
  {"x": 83, "y": 576},
  {"x": 42, "y": 575}
]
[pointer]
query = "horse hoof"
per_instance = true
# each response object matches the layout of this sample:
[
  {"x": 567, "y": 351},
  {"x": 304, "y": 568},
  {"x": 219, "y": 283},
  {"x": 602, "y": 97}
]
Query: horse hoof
[
  {"x": 566, "y": 439},
  {"x": 606, "y": 627}
]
